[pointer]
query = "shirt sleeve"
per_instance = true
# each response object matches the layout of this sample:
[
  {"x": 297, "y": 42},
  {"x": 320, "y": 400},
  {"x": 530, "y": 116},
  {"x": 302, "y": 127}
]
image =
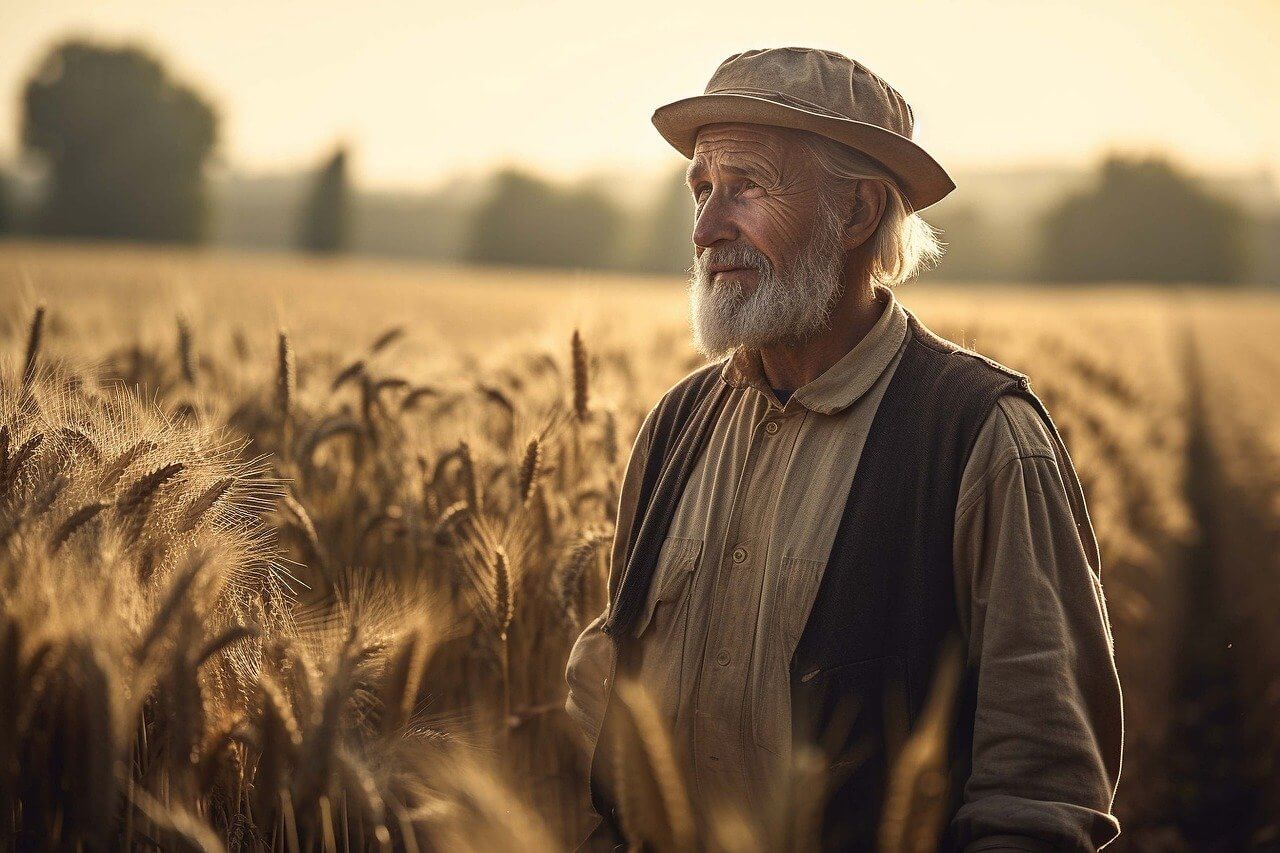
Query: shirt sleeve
[
  {"x": 1048, "y": 726},
  {"x": 590, "y": 658}
]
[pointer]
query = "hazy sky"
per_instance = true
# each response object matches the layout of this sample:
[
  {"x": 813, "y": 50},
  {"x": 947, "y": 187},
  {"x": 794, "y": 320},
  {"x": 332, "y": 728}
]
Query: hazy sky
[{"x": 424, "y": 89}]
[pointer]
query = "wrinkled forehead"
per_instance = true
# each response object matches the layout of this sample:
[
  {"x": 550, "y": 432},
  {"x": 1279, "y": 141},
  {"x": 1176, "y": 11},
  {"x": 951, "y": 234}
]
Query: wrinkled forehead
[{"x": 737, "y": 146}]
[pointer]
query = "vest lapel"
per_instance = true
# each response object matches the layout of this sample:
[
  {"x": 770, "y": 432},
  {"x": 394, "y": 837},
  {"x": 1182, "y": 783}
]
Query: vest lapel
[{"x": 691, "y": 420}]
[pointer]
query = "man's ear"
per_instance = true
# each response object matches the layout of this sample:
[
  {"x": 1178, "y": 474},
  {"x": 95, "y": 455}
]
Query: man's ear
[{"x": 865, "y": 208}]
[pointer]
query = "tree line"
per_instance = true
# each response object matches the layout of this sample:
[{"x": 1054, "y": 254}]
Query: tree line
[{"x": 127, "y": 147}]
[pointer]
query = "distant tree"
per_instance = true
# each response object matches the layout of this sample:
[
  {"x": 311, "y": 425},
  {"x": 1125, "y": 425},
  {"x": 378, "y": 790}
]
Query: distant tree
[
  {"x": 1143, "y": 220},
  {"x": 126, "y": 142},
  {"x": 527, "y": 221},
  {"x": 1264, "y": 244},
  {"x": 326, "y": 215},
  {"x": 668, "y": 240}
]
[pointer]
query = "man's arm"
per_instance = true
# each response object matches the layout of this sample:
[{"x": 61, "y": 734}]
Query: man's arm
[
  {"x": 1048, "y": 727},
  {"x": 589, "y": 659}
]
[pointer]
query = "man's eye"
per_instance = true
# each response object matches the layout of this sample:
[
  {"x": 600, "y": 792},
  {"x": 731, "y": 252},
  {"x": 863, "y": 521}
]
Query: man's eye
[{"x": 697, "y": 193}]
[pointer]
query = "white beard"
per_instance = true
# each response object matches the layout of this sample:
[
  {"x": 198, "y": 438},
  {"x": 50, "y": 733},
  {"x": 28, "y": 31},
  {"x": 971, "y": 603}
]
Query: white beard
[{"x": 791, "y": 307}]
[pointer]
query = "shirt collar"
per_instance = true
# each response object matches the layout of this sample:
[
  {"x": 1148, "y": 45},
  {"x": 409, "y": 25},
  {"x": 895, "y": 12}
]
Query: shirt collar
[{"x": 841, "y": 384}]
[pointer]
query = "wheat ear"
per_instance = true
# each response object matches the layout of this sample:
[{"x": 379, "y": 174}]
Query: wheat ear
[
  {"x": 580, "y": 389},
  {"x": 34, "y": 336},
  {"x": 530, "y": 468}
]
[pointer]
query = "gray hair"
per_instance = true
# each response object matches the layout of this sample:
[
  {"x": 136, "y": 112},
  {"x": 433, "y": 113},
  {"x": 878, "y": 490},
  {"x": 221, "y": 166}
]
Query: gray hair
[{"x": 903, "y": 244}]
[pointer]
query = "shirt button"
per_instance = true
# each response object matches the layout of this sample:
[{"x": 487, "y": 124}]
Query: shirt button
[
  {"x": 771, "y": 427},
  {"x": 739, "y": 555},
  {"x": 722, "y": 657}
]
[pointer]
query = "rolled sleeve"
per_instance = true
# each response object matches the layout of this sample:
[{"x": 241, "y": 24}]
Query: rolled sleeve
[{"x": 1048, "y": 725}]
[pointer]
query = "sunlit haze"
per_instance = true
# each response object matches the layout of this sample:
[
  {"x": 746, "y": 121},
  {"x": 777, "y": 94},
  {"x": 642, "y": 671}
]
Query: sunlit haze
[{"x": 423, "y": 90}]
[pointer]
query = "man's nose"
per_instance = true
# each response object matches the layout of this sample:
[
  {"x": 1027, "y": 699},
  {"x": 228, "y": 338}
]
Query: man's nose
[{"x": 714, "y": 223}]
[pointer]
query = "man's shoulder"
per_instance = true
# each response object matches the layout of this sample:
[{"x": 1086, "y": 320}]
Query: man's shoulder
[
  {"x": 955, "y": 353},
  {"x": 1013, "y": 431},
  {"x": 1011, "y": 419}
]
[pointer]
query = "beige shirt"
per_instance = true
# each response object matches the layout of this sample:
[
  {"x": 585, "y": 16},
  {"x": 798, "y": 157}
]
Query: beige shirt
[{"x": 746, "y": 550}]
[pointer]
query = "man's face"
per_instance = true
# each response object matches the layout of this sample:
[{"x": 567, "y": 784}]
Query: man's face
[{"x": 768, "y": 253}]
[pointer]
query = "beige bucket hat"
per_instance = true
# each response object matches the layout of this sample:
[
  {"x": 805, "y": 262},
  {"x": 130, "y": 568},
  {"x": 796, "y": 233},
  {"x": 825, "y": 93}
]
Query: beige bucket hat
[{"x": 817, "y": 90}]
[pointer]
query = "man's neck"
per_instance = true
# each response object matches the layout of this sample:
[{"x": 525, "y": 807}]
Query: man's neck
[{"x": 791, "y": 366}]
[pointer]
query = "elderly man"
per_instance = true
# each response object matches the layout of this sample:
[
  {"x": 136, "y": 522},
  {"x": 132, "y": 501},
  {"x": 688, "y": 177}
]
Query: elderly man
[{"x": 809, "y": 521}]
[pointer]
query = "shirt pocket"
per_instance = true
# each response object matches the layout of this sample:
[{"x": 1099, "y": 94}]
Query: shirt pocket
[
  {"x": 794, "y": 588},
  {"x": 671, "y": 579}
]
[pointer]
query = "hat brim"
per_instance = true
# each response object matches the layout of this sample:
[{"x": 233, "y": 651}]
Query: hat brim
[{"x": 922, "y": 179}]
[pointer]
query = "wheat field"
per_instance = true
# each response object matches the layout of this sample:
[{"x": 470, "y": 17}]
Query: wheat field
[{"x": 292, "y": 553}]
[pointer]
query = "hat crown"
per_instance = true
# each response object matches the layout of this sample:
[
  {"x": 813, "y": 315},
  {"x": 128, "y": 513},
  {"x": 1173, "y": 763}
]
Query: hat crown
[{"x": 821, "y": 81}]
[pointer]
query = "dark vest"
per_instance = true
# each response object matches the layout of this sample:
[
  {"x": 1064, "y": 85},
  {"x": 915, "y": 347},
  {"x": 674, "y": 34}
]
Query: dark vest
[{"x": 886, "y": 604}]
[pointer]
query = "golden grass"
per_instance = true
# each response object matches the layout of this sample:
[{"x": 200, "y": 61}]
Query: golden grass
[{"x": 316, "y": 588}]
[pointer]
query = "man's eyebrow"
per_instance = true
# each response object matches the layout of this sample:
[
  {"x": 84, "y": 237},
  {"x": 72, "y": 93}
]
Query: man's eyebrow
[{"x": 695, "y": 169}]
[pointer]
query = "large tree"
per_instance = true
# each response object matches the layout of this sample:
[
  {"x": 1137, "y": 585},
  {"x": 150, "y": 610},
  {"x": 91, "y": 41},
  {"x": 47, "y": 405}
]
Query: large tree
[
  {"x": 326, "y": 216},
  {"x": 1143, "y": 220},
  {"x": 126, "y": 144}
]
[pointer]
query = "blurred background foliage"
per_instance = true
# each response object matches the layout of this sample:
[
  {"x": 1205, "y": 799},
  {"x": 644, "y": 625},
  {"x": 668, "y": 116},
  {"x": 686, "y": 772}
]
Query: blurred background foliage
[
  {"x": 125, "y": 143},
  {"x": 123, "y": 152}
]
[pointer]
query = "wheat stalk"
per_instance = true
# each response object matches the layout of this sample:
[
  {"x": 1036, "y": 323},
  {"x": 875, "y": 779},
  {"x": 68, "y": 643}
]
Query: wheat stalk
[
  {"x": 567, "y": 580},
  {"x": 419, "y": 392},
  {"x": 470, "y": 481},
  {"x": 304, "y": 524},
  {"x": 387, "y": 338},
  {"x": 503, "y": 593},
  {"x": 121, "y": 463},
  {"x": 134, "y": 503},
  {"x": 286, "y": 386},
  {"x": 609, "y": 441},
  {"x": 228, "y": 638},
  {"x": 186, "y": 357},
  {"x": 176, "y": 598},
  {"x": 916, "y": 799},
  {"x": 13, "y": 466},
  {"x": 496, "y": 395},
  {"x": 356, "y": 777},
  {"x": 504, "y": 609},
  {"x": 580, "y": 389},
  {"x": 653, "y": 799},
  {"x": 402, "y": 681},
  {"x": 80, "y": 443},
  {"x": 454, "y": 516},
  {"x": 35, "y": 335},
  {"x": 530, "y": 467},
  {"x": 73, "y": 523},
  {"x": 44, "y": 499},
  {"x": 280, "y": 737},
  {"x": 544, "y": 517},
  {"x": 203, "y": 503},
  {"x": 347, "y": 374}
]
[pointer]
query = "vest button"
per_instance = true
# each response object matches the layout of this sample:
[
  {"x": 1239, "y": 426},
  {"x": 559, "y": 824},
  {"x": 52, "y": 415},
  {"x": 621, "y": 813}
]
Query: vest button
[
  {"x": 739, "y": 555},
  {"x": 722, "y": 657},
  {"x": 771, "y": 427}
]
